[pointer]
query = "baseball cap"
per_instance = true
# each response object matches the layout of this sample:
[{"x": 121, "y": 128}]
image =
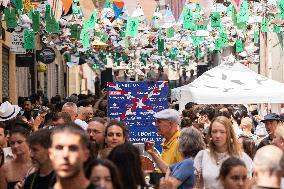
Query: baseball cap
[
  {"x": 270, "y": 117},
  {"x": 168, "y": 114}
]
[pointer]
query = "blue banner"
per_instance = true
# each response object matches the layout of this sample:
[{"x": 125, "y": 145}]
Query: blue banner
[{"x": 135, "y": 103}]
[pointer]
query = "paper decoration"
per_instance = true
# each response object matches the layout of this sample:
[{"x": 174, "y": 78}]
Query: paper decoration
[
  {"x": 200, "y": 27},
  {"x": 90, "y": 24},
  {"x": 215, "y": 19},
  {"x": 280, "y": 6},
  {"x": 29, "y": 39},
  {"x": 117, "y": 7},
  {"x": 239, "y": 46},
  {"x": 199, "y": 53},
  {"x": 237, "y": 4},
  {"x": 36, "y": 21},
  {"x": 161, "y": 46},
  {"x": 256, "y": 37},
  {"x": 264, "y": 25},
  {"x": 229, "y": 10},
  {"x": 243, "y": 16},
  {"x": 10, "y": 18},
  {"x": 66, "y": 6},
  {"x": 51, "y": 25},
  {"x": 104, "y": 37},
  {"x": 19, "y": 4},
  {"x": 107, "y": 4},
  {"x": 149, "y": 7},
  {"x": 196, "y": 40},
  {"x": 27, "y": 5},
  {"x": 75, "y": 31},
  {"x": 170, "y": 32},
  {"x": 188, "y": 20},
  {"x": 75, "y": 8},
  {"x": 223, "y": 37},
  {"x": 222, "y": 41},
  {"x": 218, "y": 44},
  {"x": 47, "y": 13},
  {"x": 87, "y": 7},
  {"x": 85, "y": 38},
  {"x": 132, "y": 26},
  {"x": 131, "y": 6}
]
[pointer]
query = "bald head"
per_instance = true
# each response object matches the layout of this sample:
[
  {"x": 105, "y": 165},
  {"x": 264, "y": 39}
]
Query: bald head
[{"x": 269, "y": 159}]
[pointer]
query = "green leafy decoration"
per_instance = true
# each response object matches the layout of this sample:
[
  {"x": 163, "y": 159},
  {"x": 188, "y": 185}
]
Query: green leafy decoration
[
  {"x": 36, "y": 21},
  {"x": 75, "y": 31},
  {"x": 239, "y": 46},
  {"x": 132, "y": 27},
  {"x": 264, "y": 25},
  {"x": 29, "y": 39},
  {"x": 10, "y": 18},
  {"x": 215, "y": 19}
]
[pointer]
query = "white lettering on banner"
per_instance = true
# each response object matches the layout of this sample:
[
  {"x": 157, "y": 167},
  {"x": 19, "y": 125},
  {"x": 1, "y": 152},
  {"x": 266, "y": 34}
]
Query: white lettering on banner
[{"x": 17, "y": 43}]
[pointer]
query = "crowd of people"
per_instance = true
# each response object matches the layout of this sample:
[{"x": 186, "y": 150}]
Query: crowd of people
[{"x": 71, "y": 143}]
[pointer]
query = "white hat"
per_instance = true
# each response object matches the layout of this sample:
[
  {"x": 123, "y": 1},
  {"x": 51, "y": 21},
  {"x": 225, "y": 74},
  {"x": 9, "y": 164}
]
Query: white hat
[
  {"x": 168, "y": 114},
  {"x": 8, "y": 111}
]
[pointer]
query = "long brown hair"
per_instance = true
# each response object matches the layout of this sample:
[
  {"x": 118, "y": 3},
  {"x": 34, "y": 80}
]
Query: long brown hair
[{"x": 233, "y": 147}]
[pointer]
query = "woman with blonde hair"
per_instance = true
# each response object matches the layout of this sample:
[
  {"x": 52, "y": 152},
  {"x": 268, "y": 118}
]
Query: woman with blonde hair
[
  {"x": 246, "y": 126},
  {"x": 223, "y": 144}
]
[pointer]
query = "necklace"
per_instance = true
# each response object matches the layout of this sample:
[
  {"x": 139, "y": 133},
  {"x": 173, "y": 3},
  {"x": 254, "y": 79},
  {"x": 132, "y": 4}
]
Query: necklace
[{"x": 221, "y": 157}]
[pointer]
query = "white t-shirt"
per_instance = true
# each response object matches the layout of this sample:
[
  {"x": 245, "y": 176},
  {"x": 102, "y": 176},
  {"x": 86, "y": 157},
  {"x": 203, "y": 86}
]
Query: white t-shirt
[{"x": 210, "y": 169}]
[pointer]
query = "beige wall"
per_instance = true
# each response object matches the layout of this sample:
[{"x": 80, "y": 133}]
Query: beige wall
[
  {"x": 12, "y": 69},
  {"x": 74, "y": 81},
  {"x": 271, "y": 60}
]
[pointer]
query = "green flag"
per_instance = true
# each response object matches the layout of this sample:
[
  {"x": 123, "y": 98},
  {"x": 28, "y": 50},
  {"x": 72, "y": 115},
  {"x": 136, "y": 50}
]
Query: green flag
[
  {"x": 161, "y": 46},
  {"x": 132, "y": 27},
  {"x": 36, "y": 21},
  {"x": 29, "y": 39},
  {"x": 264, "y": 25},
  {"x": 170, "y": 32},
  {"x": 239, "y": 46},
  {"x": 188, "y": 20},
  {"x": 229, "y": 10},
  {"x": 75, "y": 8},
  {"x": 10, "y": 18},
  {"x": 47, "y": 13},
  {"x": 85, "y": 38},
  {"x": 215, "y": 19},
  {"x": 19, "y": 4},
  {"x": 243, "y": 16},
  {"x": 51, "y": 25},
  {"x": 104, "y": 37},
  {"x": 75, "y": 31},
  {"x": 90, "y": 24}
]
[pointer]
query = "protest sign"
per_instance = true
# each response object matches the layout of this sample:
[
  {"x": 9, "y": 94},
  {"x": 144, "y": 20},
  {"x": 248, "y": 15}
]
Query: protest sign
[{"x": 135, "y": 103}]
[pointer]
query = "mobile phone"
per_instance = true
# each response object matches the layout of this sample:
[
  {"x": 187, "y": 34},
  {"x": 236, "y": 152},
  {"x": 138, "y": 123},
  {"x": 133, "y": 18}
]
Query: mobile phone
[{"x": 155, "y": 178}]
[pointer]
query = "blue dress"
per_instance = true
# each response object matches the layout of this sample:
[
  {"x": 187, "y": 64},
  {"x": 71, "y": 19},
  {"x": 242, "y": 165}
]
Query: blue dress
[{"x": 184, "y": 172}]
